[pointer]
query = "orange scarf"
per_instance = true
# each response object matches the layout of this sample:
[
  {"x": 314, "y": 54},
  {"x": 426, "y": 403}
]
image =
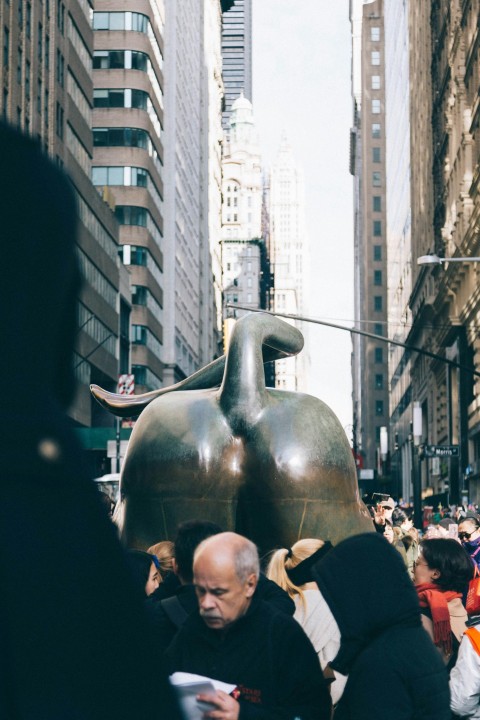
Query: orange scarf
[{"x": 431, "y": 596}]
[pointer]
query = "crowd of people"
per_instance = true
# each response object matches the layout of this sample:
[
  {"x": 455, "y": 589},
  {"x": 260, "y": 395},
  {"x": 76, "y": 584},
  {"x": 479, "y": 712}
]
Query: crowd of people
[{"x": 324, "y": 631}]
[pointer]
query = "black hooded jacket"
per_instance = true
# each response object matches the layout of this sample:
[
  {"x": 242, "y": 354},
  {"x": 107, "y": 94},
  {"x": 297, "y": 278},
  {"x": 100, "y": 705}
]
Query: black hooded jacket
[
  {"x": 394, "y": 670},
  {"x": 74, "y": 642}
]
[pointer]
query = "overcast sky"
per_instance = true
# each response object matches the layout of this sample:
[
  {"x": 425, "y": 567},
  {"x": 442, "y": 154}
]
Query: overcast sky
[{"x": 301, "y": 84}]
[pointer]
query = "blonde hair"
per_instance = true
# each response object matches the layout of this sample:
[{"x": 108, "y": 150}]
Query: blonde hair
[
  {"x": 280, "y": 563},
  {"x": 164, "y": 552}
]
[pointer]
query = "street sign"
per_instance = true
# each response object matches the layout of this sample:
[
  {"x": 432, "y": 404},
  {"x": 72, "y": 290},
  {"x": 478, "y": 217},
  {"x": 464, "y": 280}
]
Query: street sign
[
  {"x": 437, "y": 451},
  {"x": 126, "y": 384}
]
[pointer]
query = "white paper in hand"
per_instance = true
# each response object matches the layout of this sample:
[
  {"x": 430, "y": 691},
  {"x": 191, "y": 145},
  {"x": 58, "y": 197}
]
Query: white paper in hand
[{"x": 189, "y": 685}]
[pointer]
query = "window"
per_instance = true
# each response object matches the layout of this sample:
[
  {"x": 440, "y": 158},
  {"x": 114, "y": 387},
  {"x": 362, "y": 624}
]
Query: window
[
  {"x": 126, "y": 137},
  {"x": 39, "y": 96},
  {"x": 120, "y": 21},
  {"x": 379, "y": 355},
  {"x": 375, "y": 57},
  {"x": 376, "y": 130},
  {"x": 60, "y": 68},
  {"x": 378, "y": 303},
  {"x": 377, "y": 203},
  {"x": 47, "y": 52},
  {"x": 377, "y": 278},
  {"x": 379, "y": 381},
  {"x": 6, "y": 46},
  {"x": 28, "y": 23},
  {"x": 131, "y": 215},
  {"x": 40, "y": 42},
  {"x": 375, "y": 107},
  {"x": 20, "y": 13},
  {"x": 376, "y": 179},
  {"x": 378, "y": 329},
  {"x": 27, "y": 80},
  {"x": 376, "y": 155},
  {"x": 5, "y": 103},
  {"x": 375, "y": 34},
  {"x": 45, "y": 108},
  {"x": 19, "y": 66},
  {"x": 379, "y": 407},
  {"x": 377, "y": 252},
  {"x": 375, "y": 82},
  {"x": 60, "y": 16},
  {"x": 59, "y": 121},
  {"x": 377, "y": 228}
]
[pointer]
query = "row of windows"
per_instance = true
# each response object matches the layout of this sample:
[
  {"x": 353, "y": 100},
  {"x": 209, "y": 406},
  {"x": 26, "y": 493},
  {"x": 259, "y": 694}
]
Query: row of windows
[
  {"x": 78, "y": 43},
  {"x": 128, "y": 60},
  {"x": 120, "y": 21},
  {"x": 127, "y": 98},
  {"x": 144, "y": 376},
  {"x": 128, "y": 21},
  {"x": 96, "y": 229},
  {"x": 136, "y": 255},
  {"x": 94, "y": 328},
  {"x": 78, "y": 150},
  {"x": 79, "y": 98},
  {"x": 120, "y": 59},
  {"x": 139, "y": 217},
  {"x": 97, "y": 280},
  {"x": 126, "y": 177},
  {"x": 141, "y": 335},
  {"x": 141, "y": 295},
  {"x": 126, "y": 137}
]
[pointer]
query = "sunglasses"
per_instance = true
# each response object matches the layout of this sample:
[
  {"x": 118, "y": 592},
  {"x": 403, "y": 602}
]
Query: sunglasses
[{"x": 465, "y": 535}]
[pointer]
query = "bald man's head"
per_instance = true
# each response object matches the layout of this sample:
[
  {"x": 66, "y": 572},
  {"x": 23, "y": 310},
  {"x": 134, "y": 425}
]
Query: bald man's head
[{"x": 226, "y": 569}]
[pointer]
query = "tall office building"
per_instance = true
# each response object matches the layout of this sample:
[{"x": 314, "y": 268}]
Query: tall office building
[
  {"x": 128, "y": 161},
  {"x": 246, "y": 267},
  {"x": 367, "y": 165},
  {"x": 193, "y": 91},
  {"x": 47, "y": 91},
  {"x": 289, "y": 257},
  {"x": 400, "y": 225},
  {"x": 236, "y": 53}
]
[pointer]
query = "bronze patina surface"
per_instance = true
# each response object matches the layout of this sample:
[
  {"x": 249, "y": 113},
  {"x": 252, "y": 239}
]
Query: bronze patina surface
[{"x": 273, "y": 465}]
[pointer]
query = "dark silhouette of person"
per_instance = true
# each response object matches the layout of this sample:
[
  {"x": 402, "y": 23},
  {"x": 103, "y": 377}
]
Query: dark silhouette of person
[{"x": 74, "y": 642}]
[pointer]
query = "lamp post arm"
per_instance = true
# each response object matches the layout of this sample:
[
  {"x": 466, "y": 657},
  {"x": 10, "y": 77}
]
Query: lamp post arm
[{"x": 372, "y": 336}]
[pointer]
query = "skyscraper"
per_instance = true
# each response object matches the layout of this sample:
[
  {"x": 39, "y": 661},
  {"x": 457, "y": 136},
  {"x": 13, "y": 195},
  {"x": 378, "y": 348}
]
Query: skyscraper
[
  {"x": 367, "y": 165},
  {"x": 289, "y": 256},
  {"x": 237, "y": 54}
]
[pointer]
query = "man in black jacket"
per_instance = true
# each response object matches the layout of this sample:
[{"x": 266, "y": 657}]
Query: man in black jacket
[
  {"x": 394, "y": 670},
  {"x": 237, "y": 638}
]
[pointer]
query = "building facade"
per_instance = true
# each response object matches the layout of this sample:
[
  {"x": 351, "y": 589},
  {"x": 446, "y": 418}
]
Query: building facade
[
  {"x": 236, "y": 53},
  {"x": 289, "y": 257},
  {"x": 47, "y": 92},
  {"x": 444, "y": 299},
  {"x": 368, "y": 167}
]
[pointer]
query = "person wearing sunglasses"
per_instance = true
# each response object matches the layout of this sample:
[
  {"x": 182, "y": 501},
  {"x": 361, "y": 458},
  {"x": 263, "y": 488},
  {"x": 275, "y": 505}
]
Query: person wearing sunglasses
[{"x": 469, "y": 536}]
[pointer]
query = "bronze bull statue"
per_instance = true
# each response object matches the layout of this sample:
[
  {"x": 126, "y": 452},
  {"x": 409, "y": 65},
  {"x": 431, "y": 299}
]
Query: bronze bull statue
[{"x": 273, "y": 465}]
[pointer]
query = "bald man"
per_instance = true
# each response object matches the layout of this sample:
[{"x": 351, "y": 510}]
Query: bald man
[{"x": 238, "y": 638}]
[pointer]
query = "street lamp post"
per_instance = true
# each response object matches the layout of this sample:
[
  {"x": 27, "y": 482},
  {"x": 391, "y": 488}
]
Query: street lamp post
[{"x": 435, "y": 260}]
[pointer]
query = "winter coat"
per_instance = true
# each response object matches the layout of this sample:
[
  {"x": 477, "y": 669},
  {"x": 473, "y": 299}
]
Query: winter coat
[
  {"x": 393, "y": 668},
  {"x": 465, "y": 676},
  {"x": 265, "y": 654},
  {"x": 473, "y": 549},
  {"x": 318, "y": 623},
  {"x": 74, "y": 641}
]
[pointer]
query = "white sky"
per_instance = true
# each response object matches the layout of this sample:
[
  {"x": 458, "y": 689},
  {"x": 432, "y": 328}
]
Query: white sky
[{"x": 301, "y": 84}]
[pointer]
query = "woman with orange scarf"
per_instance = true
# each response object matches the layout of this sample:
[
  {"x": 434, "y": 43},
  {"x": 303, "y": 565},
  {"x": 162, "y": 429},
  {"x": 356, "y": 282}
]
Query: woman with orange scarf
[{"x": 441, "y": 576}]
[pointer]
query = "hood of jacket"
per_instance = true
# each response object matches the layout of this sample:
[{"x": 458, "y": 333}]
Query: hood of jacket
[{"x": 367, "y": 587}]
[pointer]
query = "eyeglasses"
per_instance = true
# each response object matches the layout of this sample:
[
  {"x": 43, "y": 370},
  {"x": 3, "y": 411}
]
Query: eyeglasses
[
  {"x": 465, "y": 535},
  {"x": 416, "y": 563}
]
